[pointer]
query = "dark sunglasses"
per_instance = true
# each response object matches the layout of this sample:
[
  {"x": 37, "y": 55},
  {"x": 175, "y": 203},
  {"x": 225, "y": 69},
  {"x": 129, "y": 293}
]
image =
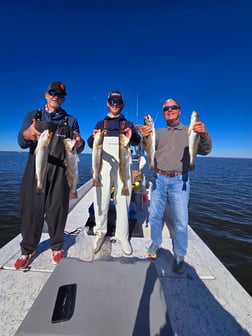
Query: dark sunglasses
[
  {"x": 172, "y": 107},
  {"x": 56, "y": 94},
  {"x": 116, "y": 102}
]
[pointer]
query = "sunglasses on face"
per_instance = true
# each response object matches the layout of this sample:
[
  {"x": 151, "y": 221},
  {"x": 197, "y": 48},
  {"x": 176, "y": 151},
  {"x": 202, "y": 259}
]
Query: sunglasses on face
[
  {"x": 56, "y": 94},
  {"x": 116, "y": 102},
  {"x": 172, "y": 107}
]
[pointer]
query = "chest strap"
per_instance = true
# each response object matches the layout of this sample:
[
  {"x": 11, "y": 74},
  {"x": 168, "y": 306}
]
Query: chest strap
[
  {"x": 123, "y": 124},
  {"x": 38, "y": 115},
  {"x": 105, "y": 125}
]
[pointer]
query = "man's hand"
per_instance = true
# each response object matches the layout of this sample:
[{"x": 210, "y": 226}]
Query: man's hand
[
  {"x": 128, "y": 132},
  {"x": 145, "y": 130},
  {"x": 31, "y": 134},
  {"x": 94, "y": 132},
  {"x": 78, "y": 139},
  {"x": 200, "y": 128}
]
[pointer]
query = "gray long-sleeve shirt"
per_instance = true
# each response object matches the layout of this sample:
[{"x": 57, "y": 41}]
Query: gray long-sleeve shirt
[{"x": 172, "y": 148}]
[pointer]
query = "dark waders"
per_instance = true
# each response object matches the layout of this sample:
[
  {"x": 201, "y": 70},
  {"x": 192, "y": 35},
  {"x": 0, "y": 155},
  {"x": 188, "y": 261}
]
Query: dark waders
[{"x": 50, "y": 205}]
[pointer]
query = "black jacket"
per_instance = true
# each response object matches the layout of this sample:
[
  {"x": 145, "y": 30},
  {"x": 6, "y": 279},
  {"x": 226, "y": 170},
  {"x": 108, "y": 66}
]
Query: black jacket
[{"x": 114, "y": 127}]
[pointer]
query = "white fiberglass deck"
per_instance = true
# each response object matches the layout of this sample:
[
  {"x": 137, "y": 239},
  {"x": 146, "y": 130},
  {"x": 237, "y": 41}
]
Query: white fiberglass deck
[{"x": 205, "y": 300}]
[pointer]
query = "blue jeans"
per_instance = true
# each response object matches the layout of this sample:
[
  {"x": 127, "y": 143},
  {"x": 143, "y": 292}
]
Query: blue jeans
[{"x": 174, "y": 191}]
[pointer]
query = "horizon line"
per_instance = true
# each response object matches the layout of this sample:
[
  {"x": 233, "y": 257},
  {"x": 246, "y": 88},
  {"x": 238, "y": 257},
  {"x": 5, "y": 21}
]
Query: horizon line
[{"x": 90, "y": 152}]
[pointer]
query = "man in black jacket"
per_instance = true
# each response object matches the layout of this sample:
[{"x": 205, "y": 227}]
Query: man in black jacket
[
  {"x": 113, "y": 124},
  {"x": 51, "y": 202}
]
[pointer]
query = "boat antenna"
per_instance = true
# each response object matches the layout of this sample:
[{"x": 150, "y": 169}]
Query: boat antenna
[
  {"x": 137, "y": 109},
  {"x": 156, "y": 116},
  {"x": 95, "y": 108}
]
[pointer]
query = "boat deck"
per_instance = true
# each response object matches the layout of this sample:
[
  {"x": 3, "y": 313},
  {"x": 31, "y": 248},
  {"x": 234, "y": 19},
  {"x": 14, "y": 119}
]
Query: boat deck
[{"x": 205, "y": 300}]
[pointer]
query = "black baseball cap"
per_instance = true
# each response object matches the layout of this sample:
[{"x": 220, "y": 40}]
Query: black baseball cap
[
  {"x": 58, "y": 87},
  {"x": 115, "y": 95}
]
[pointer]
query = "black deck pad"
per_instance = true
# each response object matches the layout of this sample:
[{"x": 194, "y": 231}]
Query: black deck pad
[{"x": 122, "y": 297}]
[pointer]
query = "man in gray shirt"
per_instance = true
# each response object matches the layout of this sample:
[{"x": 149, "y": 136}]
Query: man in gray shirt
[{"x": 172, "y": 164}]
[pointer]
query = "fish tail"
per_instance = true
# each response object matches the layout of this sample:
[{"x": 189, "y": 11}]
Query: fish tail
[
  {"x": 97, "y": 182},
  {"x": 151, "y": 166},
  {"x": 192, "y": 166},
  {"x": 73, "y": 194},
  {"x": 40, "y": 189},
  {"x": 125, "y": 191}
]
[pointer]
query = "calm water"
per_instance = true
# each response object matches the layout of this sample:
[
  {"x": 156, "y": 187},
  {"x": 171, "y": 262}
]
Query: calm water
[{"x": 220, "y": 206}]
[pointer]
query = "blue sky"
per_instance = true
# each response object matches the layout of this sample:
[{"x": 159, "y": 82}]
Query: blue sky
[{"x": 198, "y": 52}]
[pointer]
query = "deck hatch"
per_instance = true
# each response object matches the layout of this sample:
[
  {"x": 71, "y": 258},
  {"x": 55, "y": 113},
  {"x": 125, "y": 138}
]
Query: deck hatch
[{"x": 65, "y": 303}]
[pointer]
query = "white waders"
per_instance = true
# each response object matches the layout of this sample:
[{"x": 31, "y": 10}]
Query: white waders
[{"x": 110, "y": 178}]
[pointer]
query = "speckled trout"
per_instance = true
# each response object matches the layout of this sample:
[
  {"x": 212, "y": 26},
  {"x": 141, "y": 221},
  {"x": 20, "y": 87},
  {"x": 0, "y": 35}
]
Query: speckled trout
[
  {"x": 149, "y": 141},
  {"x": 71, "y": 162},
  {"x": 41, "y": 157},
  {"x": 124, "y": 163},
  {"x": 97, "y": 157},
  {"x": 194, "y": 139}
]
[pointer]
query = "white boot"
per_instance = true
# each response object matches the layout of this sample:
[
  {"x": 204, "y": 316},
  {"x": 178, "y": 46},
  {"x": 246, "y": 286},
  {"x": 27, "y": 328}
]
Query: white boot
[
  {"x": 126, "y": 247},
  {"x": 99, "y": 240}
]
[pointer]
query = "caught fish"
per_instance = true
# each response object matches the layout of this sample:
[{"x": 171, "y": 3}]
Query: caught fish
[
  {"x": 71, "y": 162},
  {"x": 149, "y": 141},
  {"x": 194, "y": 139},
  {"x": 41, "y": 157},
  {"x": 97, "y": 157},
  {"x": 124, "y": 163}
]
